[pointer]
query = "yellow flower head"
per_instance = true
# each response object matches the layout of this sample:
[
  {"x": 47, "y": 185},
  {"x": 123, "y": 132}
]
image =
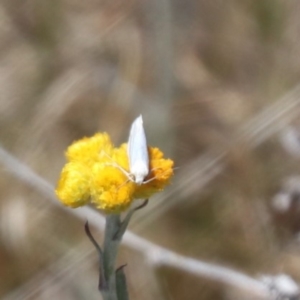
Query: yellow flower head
[
  {"x": 74, "y": 185},
  {"x": 98, "y": 173},
  {"x": 161, "y": 170},
  {"x": 89, "y": 150}
]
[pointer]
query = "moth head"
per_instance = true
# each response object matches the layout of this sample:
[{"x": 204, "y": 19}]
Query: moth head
[{"x": 139, "y": 171}]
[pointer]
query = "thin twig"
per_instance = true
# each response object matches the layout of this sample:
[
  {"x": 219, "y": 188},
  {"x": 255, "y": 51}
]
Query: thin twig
[
  {"x": 260, "y": 128},
  {"x": 150, "y": 250}
]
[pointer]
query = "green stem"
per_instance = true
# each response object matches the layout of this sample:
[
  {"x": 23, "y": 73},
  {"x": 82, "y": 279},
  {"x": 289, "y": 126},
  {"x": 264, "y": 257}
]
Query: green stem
[
  {"x": 113, "y": 283},
  {"x": 121, "y": 284},
  {"x": 110, "y": 251}
]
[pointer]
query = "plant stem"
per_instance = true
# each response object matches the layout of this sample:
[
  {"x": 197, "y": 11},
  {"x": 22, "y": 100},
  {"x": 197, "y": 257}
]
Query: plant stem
[{"x": 110, "y": 250}]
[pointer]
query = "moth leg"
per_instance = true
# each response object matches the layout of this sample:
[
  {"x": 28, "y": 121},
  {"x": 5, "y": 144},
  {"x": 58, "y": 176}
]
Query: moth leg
[
  {"x": 124, "y": 183},
  {"x": 128, "y": 175},
  {"x": 114, "y": 164},
  {"x": 151, "y": 179}
]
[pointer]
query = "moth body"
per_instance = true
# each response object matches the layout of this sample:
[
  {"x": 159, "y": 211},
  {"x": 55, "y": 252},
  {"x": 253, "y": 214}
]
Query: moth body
[{"x": 138, "y": 152}]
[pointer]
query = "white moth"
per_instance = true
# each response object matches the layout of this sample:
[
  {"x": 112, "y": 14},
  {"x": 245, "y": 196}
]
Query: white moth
[{"x": 138, "y": 152}]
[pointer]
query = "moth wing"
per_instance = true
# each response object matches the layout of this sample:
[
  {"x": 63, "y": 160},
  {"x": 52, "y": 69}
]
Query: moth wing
[{"x": 138, "y": 149}]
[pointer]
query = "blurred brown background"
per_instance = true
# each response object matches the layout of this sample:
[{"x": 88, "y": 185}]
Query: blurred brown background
[{"x": 216, "y": 82}]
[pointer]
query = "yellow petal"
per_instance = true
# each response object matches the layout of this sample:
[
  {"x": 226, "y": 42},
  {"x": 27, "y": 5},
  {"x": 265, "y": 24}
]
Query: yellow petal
[
  {"x": 90, "y": 150},
  {"x": 73, "y": 187},
  {"x": 110, "y": 188},
  {"x": 161, "y": 171}
]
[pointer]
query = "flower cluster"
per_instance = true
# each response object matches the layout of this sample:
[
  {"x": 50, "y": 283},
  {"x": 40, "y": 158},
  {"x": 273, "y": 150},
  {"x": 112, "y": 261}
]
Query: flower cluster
[{"x": 96, "y": 173}]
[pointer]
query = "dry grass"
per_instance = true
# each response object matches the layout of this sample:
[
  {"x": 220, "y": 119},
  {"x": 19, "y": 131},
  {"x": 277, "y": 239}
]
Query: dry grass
[{"x": 209, "y": 78}]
